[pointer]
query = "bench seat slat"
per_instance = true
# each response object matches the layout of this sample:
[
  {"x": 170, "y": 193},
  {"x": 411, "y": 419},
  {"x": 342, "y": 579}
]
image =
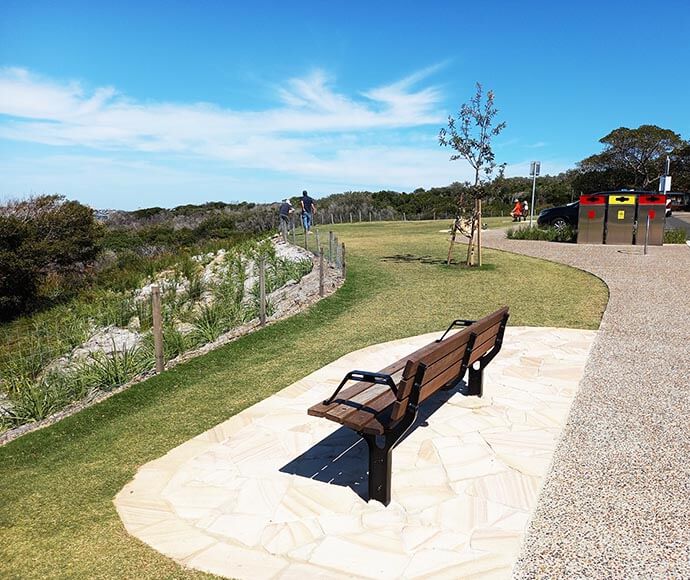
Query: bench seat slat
[
  {"x": 365, "y": 400},
  {"x": 357, "y": 418},
  {"x": 320, "y": 409}
]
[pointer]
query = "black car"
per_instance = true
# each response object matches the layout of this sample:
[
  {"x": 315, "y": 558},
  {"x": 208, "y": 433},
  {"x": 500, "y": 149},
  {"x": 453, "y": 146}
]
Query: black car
[{"x": 559, "y": 217}]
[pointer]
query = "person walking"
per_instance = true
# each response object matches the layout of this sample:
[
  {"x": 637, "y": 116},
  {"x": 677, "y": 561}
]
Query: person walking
[
  {"x": 308, "y": 211},
  {"x": 525, "y": 210},
  {"x": 285, "y": 212}
]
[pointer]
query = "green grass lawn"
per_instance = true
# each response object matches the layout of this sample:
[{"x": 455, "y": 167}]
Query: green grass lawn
[{"x": 56, "y": 513}]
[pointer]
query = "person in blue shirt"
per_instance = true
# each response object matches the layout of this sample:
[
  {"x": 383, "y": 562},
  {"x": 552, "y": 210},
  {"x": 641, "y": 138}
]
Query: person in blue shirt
[{"x": 308, "y": 211}]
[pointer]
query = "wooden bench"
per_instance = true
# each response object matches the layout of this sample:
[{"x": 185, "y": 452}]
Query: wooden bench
[{"x": 382, "y": 406}]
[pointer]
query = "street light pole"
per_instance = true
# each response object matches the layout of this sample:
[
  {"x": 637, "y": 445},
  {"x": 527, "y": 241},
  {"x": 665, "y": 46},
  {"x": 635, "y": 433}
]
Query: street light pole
[{"x": 534, "y": 168}]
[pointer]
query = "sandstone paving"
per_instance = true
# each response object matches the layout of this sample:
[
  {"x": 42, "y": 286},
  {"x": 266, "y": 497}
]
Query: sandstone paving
[{"x": 275, "y": 493}]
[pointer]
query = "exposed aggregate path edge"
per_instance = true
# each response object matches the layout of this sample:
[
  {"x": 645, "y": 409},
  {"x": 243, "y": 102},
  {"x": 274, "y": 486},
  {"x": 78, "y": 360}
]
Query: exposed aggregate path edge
[{"x": 616, "y": 503}]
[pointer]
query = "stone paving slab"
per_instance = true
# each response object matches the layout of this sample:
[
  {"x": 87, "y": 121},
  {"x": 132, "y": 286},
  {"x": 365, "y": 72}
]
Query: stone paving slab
[{"x": 275, "y": 493}]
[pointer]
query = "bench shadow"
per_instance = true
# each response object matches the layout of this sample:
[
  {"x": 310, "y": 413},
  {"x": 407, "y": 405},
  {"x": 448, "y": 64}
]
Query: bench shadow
[{"x": 342, "y": 458}]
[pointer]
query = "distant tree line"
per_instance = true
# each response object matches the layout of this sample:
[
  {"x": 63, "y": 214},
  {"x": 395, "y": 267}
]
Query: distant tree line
[{"x": 50, "y": 247}]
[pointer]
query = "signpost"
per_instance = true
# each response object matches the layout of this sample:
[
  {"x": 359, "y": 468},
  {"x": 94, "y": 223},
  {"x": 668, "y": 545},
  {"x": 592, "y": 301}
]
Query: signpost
[
  {"x": 534, "y": 168},
  {"x": 665, "y": 180}
]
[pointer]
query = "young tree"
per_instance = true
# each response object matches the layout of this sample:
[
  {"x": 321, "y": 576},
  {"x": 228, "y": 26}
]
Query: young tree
[{"x": 470, "y": 135}]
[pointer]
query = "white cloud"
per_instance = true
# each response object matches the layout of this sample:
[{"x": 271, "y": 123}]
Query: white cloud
[
  {"x": 383, "y": 137},
  {"x": 46, "y": 112}
]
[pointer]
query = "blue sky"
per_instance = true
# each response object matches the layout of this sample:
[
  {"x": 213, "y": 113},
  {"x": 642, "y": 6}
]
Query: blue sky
[{"x": 135, "y": 104}]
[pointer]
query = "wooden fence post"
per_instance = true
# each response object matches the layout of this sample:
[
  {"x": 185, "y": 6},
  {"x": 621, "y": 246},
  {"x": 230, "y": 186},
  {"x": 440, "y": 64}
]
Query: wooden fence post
[
  {"x": 342, "y": 261},
  {"x": 321, "y": 273},
  {"x": 318, "y": 243},
  {"x": 330, "y": 247},
  {"x": 157, "y": 327},
  {"x": 294, "y": 234},
  {"x": 262, "y": 292}
]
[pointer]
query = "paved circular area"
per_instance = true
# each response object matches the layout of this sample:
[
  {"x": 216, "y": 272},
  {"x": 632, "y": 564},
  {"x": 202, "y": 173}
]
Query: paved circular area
[
  {"x": 275, "y": 493},
  {"x": 617, "y": 502}
]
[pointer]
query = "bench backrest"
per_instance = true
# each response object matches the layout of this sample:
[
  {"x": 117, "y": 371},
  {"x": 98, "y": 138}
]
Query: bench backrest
[{"x": 448, "y": 360}]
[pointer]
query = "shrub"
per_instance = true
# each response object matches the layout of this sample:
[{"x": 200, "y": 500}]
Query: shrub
[
  {"x": 675, "y": 236},
  {"x": 209, "y": 323},
  {"x": 44, "y": 237},
  {"x": 35, "y": 399},
  {"x": 565, "y": 234},
  {"x": 109, "y": 370}
]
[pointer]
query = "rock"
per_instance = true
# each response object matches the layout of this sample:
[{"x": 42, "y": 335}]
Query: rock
[{"x": 108, "y": 340}]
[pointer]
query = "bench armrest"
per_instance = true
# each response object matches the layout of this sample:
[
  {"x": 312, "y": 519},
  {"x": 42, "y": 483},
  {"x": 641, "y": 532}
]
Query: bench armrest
[
  {"x": 364, "y": 377},
  {"x": 459, "y": 322}
]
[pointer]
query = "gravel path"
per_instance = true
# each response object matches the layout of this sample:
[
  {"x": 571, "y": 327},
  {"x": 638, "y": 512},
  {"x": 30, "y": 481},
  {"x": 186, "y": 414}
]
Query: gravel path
[{"x": 617, "y": 501}]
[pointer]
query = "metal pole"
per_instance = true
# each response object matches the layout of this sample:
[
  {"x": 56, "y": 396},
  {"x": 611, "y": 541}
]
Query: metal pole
[
  {"x": 531, "y": 207},
  {"x": 646, "y": 236}
]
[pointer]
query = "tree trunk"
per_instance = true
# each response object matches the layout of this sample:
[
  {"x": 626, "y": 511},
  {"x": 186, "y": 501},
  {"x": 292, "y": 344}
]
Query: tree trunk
[
  {"x": 452, "y": 242},
  {"x": 479, "y": 232},
  {"x": 470, "y": 245}
]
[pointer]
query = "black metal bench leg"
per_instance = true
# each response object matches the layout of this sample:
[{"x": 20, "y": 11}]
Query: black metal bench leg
[
  {"x": 379, "y": 469},
  {"x": 475, "y": 382}
]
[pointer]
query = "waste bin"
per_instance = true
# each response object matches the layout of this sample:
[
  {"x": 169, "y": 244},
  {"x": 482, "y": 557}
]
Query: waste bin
[
  {"x": 654, "y": 207},
  {"x": 620, "y": 219},
  {"x": 590, "y": 221}
]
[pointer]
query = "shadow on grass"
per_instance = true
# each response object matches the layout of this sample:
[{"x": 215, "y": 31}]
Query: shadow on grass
[
  {"x": 410, "y": 258},
  {"x": 342, "y": 458}
]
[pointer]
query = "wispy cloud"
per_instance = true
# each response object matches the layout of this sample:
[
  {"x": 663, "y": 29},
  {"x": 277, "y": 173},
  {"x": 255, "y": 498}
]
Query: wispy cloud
[
  {"x": 47, "y": 112},
  {"x": 314, "y": 133}
]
